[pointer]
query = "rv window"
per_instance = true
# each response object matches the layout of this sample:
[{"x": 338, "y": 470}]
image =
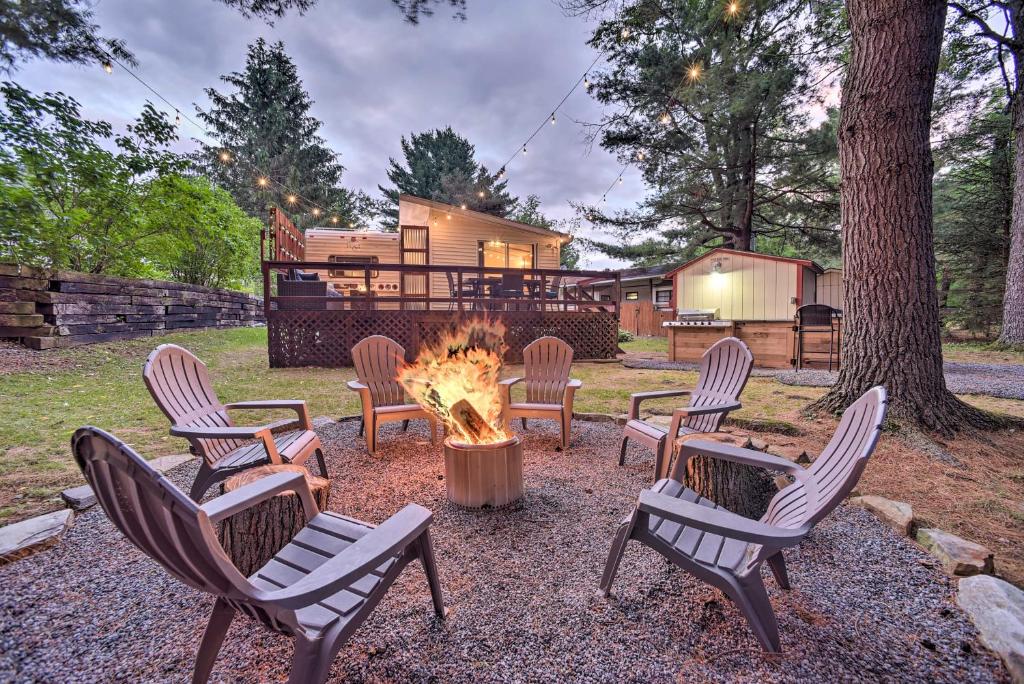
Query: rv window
[
  {"x": 663, "y": 296},
  {"x": 350, "y": 259},
  {"x": 606, "y": 298},
  {"x": 632, "y": 296}
]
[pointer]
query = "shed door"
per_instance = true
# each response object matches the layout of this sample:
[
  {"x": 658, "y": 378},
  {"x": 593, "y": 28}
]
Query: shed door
[{"x": 414, "y": 246}]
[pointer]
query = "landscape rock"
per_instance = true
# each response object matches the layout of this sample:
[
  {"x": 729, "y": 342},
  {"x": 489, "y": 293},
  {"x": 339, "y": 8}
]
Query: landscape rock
[
  {"x": 164, "y": 463},
  {"x": 958, "y": 556},
  {"x": 896, "y": 514},
  {"x": 790, "y": 453},
  {"x": 619, "y": 419},
  {"x": 997, "y": 609},
  {"x": 321, "y": 421},
  {"x": 79, "y": 498},
  {"x": 35, "y": 534}
]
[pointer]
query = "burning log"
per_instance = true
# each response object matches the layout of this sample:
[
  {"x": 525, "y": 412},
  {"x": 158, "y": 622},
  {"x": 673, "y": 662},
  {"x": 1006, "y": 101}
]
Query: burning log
[{"x": 473, "y": 424}]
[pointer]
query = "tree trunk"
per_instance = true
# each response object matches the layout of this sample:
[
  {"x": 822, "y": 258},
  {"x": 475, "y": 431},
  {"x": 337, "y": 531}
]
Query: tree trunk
[
  {"x": 253, "y": 536},
  {"x": 891, "y": 335},
  {"x": 1013, "y": 296},
  {"x": 742, "y": 489}
]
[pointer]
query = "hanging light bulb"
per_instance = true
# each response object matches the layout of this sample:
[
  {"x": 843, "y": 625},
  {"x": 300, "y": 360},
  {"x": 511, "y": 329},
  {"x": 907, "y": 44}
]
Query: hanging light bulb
[
  {"x": 501, "y": 173},
  {"x": 586, "y": 82},
  {"x": 463, "y": 207},
  {"x": 620, "y": 180},
  {"x": 604, "y": 198},
  {"x": 694, "y": 72},
  {"x": 107, "y": 66},
  {"x": 334, "y": 220},
  {"x": 625, "y": 32},
  {"x": 316, "y": 211},
  {"x": 665, "y": 119},
  {"x": 262, "y": 181},
  {"x": 481, "y": 194},
  {"x": 733, "y": 8},
  {"x": 448, "y": 216},
  {"x": 351, "y": 224},
  {"x": 524, "y": 149},
  {"x": 177, "y": 118},
  {"x": 224, "y": 156},
  {"x": 640, "y": 155},
  {"x": 552, "y": 118},
  {"x": 292, "y": 199}
]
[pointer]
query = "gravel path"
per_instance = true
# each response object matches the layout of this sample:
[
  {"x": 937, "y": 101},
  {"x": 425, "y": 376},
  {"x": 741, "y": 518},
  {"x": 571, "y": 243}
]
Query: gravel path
[
  {"x": 521, "y": 586},
  {"x": 992, "y": 379}
]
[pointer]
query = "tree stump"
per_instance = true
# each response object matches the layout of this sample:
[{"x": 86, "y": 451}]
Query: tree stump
[
  {"x": 742, "y": 489},
  {"x": 252, "y": 537}
]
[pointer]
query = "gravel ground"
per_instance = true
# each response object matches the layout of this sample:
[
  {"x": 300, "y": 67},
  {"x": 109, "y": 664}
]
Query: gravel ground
[
  {"x": 521, "y": 587},
  {"x": 992, "y": 379}
]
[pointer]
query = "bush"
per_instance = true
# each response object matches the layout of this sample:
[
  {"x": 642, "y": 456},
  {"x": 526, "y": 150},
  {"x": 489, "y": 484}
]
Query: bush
[{"x": 625, "y": 336}]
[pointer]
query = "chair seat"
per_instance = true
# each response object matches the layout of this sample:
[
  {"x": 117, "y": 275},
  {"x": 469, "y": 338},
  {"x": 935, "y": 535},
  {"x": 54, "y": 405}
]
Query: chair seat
[
  {"x": 399, "y": 408},
  {"x": 323, "y": 538},
  {"x": 554, "y": 408},
  {"x": 706, "y": 548},
  {"x": 290, "y": 445}
]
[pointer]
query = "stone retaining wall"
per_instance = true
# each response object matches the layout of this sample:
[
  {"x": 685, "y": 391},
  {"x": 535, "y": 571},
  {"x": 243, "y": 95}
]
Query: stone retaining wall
[{"x": 46, "y": 309}]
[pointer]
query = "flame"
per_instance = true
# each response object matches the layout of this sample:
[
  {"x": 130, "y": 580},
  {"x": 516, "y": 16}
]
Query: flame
[{"x": 456, "y": 380}]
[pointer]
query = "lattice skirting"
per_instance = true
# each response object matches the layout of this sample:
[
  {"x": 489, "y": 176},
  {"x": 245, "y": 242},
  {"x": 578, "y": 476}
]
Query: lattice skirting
[{"x": 326, "y": 338}]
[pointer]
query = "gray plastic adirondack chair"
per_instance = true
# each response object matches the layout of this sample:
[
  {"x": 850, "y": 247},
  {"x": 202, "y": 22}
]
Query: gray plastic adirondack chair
[
  {"x": 377, "y": 360},
  {"x": 318, "y": 589},
  {"x": 549, "y": 389},
  {"x": 727, "y": 550},
  {"x": 724, "y": 370},
  {"x": 181, "y": 387}
]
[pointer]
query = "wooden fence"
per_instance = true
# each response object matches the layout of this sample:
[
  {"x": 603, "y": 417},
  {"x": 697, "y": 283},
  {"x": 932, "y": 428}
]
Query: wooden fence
[
  {"x": 287, "y": 242},
  {"x": 46, "y": 309},
  {"x": 643, "y": 320}
]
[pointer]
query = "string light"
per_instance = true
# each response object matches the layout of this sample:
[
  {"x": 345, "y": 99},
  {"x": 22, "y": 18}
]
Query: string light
[
  {"x": 552, "y": 118},
  {"x": 586, "y": 82},
  {"x": 524, "y": 149},
  {"x": 316, "y": 211},
  {"x": 640, "y": 155},
  {"x": 224, "y": 156},
  {"x": 665, "y": 119},
  {"x": 334, "y": 220},
  {"x": 694, "y": 72},
  {"x": 107, "y": 66},
  {"x": 625, "y": 32},
  {"x": 262, "y": 181},
  {"x": 733, "y": 8},
  {"x": 463, "y": 206},
  {"x": 481, "y": 194},
  {"x": 177, "y": 118},
  {"x": 292, "y": 199}
]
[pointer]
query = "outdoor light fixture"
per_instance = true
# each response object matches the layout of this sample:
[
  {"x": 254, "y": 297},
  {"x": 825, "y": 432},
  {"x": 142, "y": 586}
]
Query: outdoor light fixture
[
  {"x": 716, "y": 267},
  {"x": 482, "y": 194},
  {"x": 552, "y": 118},
  {"x": 665, "y": 119},
  {"x": 316, "y": 211},
  {"x": 463, "y": 206},
  {"x": 292, "y": 199},
  {"x": 334, "y": 220},
  {"x": 107, "y": 66},
  {"x": 694, "y": 72},
  {"x": 262, "y": 181},
  {"x": 225, "y": 156}
]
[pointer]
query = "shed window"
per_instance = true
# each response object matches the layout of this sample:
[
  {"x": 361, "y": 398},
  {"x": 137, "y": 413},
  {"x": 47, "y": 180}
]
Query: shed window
[
  {"x": 632, "y": 296},
  {"x": 496, "y": 254},
  {"x": 605, "y": 298},
  {"x": 663, "y": 296},
  {"x": 349, "y": 259}
]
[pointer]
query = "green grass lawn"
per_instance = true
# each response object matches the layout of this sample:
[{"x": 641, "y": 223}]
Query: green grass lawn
[{"x": 102, "y": 385}]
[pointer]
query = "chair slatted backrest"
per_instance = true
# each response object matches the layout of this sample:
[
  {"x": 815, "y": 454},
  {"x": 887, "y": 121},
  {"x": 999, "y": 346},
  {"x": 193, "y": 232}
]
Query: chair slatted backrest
[
  {"x": 181, "y": 387},
  {"x": 724, "y": 370},
  {"x": 153, "y": 514},
  {"x": 377, "y": 360},
  {"x": 547, "y": 362},
  {"x": 836, "y": 471}
]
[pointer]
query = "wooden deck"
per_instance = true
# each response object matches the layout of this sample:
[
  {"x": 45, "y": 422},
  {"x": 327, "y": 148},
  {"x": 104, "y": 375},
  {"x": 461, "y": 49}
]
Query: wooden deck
[{"x": 321, "y": 330}]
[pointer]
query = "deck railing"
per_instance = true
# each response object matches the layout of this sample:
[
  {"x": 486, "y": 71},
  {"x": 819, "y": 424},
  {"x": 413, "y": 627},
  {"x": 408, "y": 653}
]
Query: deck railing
[{"x": 470, "y": 288}]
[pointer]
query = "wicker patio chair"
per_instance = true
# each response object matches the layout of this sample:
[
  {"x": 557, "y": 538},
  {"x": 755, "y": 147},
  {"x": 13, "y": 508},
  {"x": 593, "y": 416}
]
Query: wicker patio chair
[
  {"x": 318, "y": 589},
  {"x": 727, "y": 550},
  {"x": 549, "y": 389},
  {"x": 180, "y": 386},
  {"x": 724, "y": 370},
  {"x": 377, "y": 359}
]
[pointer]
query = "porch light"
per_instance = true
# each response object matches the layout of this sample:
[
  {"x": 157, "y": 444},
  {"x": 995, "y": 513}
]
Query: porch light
[{"x": 716, "y": 267}]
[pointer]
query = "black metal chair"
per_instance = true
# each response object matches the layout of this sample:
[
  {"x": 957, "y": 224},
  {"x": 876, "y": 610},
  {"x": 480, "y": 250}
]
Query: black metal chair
[
  {"x": 455, "y": 293},
  {"x": 817, "y": 318},
  {"x": 511, "y": 287}
]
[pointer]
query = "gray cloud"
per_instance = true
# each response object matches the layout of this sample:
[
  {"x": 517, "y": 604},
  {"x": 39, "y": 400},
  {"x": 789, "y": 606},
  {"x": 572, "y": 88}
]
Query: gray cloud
[{"x": 374, "y": 78}]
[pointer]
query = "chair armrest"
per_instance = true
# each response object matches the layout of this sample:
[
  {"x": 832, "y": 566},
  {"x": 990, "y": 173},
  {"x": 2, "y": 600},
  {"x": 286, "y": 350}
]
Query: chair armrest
[
  {"x": 384, "y": 541},
  {"x": 718, "y": 520},
  {"x": 297, "y": 405},
  {"x": 356, "y": 386},
  {"x": 508, "y": 382},
  {"x": 260, "y": 432},
  {"x": 707, "y": 409},
  {"x": 574, "y": 384},
  {"x": 253, "y": 493},
  {"x": 734, "y": 454},
  {"x": 636, "y": 398}
]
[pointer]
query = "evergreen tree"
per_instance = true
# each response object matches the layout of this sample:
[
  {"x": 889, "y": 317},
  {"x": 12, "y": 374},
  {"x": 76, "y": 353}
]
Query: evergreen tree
[
  {"x": 264, "y": 129},
  {"x": 439, "y": 165},
  {"x": 710, "y": 105},
  {"x": 528, "y": 211}
]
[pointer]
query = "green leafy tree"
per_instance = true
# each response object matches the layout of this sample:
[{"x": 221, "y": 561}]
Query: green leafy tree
[
  {"x": 200, "y": 235},
  {"x": 266, "y": 138},
  {"x": 71, "y": 189},
  {"x": 528, "y": 211},
  {"x": 439, "y": 165},
  {"x": 709, "y": 102}
]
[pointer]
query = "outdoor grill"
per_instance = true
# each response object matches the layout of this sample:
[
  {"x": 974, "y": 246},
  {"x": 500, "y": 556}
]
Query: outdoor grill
[{"x": 695, "y": 317}]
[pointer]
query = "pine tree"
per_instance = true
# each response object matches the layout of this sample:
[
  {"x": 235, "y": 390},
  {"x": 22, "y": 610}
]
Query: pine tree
[
  {"x": 710, "y": 105},
  {"x": 264, "y": 131},
  {"x": 439, "y": 165}
]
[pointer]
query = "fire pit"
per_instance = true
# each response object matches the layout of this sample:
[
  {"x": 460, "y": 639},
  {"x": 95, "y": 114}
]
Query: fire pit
[
  {"x": 483, "y": 475},
  {"x": 457, "y": 381}
]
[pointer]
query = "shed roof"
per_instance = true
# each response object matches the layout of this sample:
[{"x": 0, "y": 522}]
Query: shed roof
[
  {"x": 768, "y": 257},
  {"x": 487, "y": 218}
]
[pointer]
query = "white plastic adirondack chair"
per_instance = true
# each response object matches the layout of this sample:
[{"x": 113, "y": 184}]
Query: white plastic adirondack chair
[
  {"x": 549, "y": 389},
  {"x": 317, "y": 589},
  {"x": 727, "y": 550},
  {"x": 724, "y": 370},
  {"x": 376, "y": 360}
]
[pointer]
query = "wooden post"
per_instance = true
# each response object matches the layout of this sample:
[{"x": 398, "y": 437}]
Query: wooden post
[{"x": 253, "y": 536}]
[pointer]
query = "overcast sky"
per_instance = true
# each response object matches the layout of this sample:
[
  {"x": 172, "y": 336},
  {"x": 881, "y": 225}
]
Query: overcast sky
[{"x": 373, "y": 78}]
